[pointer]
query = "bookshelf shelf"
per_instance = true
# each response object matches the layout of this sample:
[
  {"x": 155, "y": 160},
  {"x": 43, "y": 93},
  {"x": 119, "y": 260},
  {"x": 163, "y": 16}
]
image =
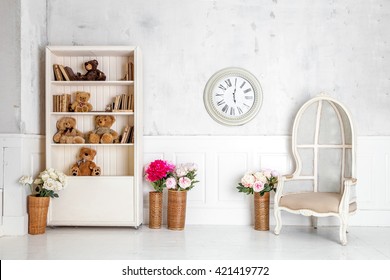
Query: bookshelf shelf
[{"x": 114, "y": 198}]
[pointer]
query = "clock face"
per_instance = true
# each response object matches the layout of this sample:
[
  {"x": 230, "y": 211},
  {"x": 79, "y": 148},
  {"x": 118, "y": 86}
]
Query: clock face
[{"x": 233, "y": 96}]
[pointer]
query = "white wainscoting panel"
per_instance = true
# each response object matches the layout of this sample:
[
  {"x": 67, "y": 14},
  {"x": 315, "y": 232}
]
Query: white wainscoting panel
[
  {"x": 20, "y": 155},
  {"x": 222, "y": 160}
]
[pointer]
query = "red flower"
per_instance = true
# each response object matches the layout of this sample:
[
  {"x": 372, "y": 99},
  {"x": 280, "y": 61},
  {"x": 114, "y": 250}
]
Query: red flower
[{"x": 158, "y": 170}]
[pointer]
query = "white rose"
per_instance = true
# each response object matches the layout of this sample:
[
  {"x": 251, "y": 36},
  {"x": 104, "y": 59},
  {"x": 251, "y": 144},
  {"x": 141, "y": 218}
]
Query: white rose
[
  {"x": 26, "y": 180},
  {"x": 260, "y": 176},
  {"x": 181, "y": 171},
  {"x": 248, "y": 180},
  {"x": 170, "y": 183}
]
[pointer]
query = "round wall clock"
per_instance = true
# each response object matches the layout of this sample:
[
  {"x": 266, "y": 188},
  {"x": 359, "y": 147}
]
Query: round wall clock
[{"x": 233, "y": 96}]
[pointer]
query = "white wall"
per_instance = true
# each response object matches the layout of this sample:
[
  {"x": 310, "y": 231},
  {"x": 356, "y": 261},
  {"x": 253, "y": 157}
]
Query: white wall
[
  {"x": 296, "y": 49},
  {"x": 23, "y": 33},
  {"x": 10, "y": 66}
]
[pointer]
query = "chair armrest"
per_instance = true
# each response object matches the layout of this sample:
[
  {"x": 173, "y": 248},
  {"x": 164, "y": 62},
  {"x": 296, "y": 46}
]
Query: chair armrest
[
  {"x": 344, "y": 203},
  {"x": 350, "y": 180}
]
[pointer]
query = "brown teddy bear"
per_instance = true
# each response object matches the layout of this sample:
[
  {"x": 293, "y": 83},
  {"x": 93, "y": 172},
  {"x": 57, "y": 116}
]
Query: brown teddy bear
[
  {"x": 81, "y": 104},
  {"x": 67, "y": 132},
  {"x": 85, "y": 165},
  {"x": 93, "y": 74},
  {"x": 103, "y": 132}
]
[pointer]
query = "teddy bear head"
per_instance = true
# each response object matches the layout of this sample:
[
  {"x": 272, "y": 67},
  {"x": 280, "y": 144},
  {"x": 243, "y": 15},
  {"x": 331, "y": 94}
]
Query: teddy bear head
[
  {"x": 66, "y": 123},
  {"x": 91, "y": 65},
  {"x": 87, "y": 154},
  {"x": 82, "y": 96},
  {"x": 104, "y": 121}
]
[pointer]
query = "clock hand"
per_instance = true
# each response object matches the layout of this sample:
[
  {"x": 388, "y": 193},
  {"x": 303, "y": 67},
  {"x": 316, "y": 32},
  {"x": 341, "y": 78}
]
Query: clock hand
[{"x": 234, "y": 95}]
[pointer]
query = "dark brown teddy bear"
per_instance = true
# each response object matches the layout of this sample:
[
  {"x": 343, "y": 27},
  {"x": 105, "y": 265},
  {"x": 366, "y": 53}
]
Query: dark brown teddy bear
[
  {"x": 103, "y": 132},
  {"x": 67, "y": 132},
  {"x": 93, "y": 74},
  {"x": 85, "y": 165}
]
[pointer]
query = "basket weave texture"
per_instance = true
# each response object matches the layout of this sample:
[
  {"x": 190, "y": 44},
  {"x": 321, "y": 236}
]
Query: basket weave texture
[
  {"x": 37, "y": 214},
  {"x": 261, "y": 211},
  {"x": 177, "y": 204},
  {"x": 155, "y": 209}
]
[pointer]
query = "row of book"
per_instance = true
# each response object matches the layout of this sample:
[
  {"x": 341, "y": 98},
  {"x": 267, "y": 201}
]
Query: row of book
[
  {"x": 128, "y": 135},
  {"x": 123, "y": 102},
  {"x": 63, "y": 73},
  {"x": 61, "y": 102}
]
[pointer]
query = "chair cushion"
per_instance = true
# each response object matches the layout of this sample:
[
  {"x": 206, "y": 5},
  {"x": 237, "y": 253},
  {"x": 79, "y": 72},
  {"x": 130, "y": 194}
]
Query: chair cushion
[{"x": 320, "y": 202}]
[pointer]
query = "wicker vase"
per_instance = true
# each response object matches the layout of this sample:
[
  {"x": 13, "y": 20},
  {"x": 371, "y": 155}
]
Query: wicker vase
[
  {"x": 261, "y": 211},
  {"x": 177, "y": 204},
  {"x": 37, "y": 214},
  {"x": 155, "y": 209}
]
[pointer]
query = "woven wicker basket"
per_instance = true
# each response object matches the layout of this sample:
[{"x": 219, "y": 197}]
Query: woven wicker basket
[
  {"x": 261, "y": 211},
  {"x": 177, "y": 204},
  {"x": 155, "y": 209},
  {"x": 37, "y": 214}
]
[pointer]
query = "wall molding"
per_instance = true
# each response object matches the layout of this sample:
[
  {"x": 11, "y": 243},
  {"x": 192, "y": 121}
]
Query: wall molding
[
  {"x": 19, "y": 155},
  {"x": 223, "y": 159}
]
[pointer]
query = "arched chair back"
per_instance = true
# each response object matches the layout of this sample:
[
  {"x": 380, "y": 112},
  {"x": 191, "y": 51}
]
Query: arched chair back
[{"x": 323, "y": 146}]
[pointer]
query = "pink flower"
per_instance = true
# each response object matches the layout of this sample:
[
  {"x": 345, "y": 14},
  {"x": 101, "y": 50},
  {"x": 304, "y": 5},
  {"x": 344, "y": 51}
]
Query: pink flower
[
  {"x": 258, "y": 186},
  {"x": 274, "y": 173},
  {"x": 184, "y": 182},
  {"x": 171, "y": 183},
  {"x": 158, "y": 170}
]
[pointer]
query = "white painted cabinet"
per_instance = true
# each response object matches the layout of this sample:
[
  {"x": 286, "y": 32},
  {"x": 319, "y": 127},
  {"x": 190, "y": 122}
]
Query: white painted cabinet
[{"x": 115, "y": 197}]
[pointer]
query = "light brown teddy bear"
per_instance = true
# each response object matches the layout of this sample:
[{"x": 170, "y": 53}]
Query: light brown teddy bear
[
  {"x": 103, "y": 132},
  {"x": 81, "y": 104},
  {"x": 67, "y": 132},
  {"x": 85, "y": 165}
]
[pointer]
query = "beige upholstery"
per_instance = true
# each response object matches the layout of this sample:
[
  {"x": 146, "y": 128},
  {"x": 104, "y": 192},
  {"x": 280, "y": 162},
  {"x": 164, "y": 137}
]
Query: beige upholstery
[
  {"x": 324, "y": 202},
  {"x": 323, "y": 146}
]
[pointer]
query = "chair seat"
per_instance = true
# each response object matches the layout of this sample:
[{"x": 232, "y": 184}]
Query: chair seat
[{"x": 319, "y": 202}]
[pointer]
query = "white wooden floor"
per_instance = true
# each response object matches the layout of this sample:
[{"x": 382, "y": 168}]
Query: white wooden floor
[{"x": 197, "y": 243}]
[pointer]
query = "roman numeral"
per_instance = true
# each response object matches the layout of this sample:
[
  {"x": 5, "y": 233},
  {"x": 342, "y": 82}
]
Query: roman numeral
[
  {"x": 239, "y": 110},
  {"x": 248, "y": 97},
  {"x": 243, "y": 83},
  {"x": 232, "y": 111},
  {"x": 222, "y": 87},
  {"x": 225, "y": 108},
  {"x": 228, "y": 82},
  {"x": 219, "y": 94},
  {"x": 221, "y": 102},
  {"x": 247, "y": 90},
  {"x": 246, "y": 105}
]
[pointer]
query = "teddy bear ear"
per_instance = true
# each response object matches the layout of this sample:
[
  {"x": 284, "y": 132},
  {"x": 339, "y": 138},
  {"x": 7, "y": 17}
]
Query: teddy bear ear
[
  {"x": 59, "y": 123},
  {"x": 112, "y": 119},
  {"x": 93, "y": 152}
]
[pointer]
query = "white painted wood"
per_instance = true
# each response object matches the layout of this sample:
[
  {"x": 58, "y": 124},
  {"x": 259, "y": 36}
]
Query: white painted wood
[
  {"x": 121, "y": 164},
  {"x": 19, "y": 155},
  {"x": 224, "y": 157}
]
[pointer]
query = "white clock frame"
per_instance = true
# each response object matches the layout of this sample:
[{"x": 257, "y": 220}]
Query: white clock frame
[{"x": 213, "y": 83}]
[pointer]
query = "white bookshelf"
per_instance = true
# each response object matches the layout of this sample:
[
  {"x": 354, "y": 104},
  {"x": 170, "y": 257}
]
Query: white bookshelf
[{"x": 115, "y": 197}]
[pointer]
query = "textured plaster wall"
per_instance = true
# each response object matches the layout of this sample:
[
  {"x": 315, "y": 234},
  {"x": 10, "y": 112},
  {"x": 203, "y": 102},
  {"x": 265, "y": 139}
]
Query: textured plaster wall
[
  {"x": 33, "y": 44},
  {"x": 297, "y": 49},
  {"x": 23, "y": 33},
  {"x": 10, "y": 98}
]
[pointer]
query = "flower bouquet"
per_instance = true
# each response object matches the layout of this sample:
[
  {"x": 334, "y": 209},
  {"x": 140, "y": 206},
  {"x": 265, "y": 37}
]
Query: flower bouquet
[
  {"x": 181, "y": 181},
  {"x": 183, "y": 177},
  {"x": 47, "y": 184},
  {"x": 156, "y": 173},
  {"x": 260, "y": 184}
]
